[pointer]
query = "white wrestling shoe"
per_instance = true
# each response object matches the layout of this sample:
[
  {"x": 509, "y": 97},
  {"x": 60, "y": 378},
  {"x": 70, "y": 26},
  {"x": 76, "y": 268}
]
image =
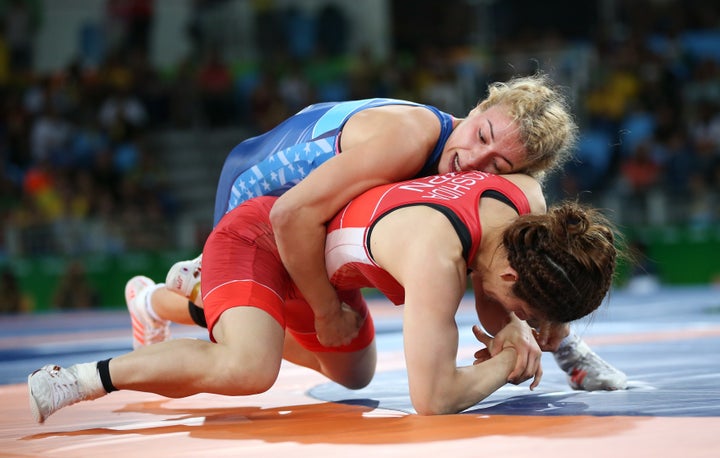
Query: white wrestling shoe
[
  {"x": 585, "y": 369},
  {"x": 52, "y": 387},
  {"x": 184, "y": 278},
  {"x": 146, "y": 329}
]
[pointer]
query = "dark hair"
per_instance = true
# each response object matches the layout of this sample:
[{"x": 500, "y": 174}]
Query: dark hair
[{"x": 565, "y": 260}]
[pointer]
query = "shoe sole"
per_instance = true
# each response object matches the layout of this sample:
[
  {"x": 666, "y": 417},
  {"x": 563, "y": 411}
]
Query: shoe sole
[
  {"x": 174, "y": 274},
  {"x": 34, "y": 408},
  {"x": 130, "y": 294}
]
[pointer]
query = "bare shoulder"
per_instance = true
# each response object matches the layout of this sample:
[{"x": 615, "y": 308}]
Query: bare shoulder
[
  {"x": 413, "y": 124},
  {"x": 532, "y": 190}
]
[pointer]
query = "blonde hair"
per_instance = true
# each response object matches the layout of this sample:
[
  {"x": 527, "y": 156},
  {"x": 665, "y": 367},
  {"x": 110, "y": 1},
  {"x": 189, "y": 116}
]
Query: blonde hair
[{"x": 547, "y": 128}]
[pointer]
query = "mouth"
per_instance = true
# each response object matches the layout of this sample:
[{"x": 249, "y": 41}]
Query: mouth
[{"x": 456, "y": 164}]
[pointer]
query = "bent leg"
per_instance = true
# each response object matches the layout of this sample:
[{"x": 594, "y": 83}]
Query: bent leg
[
  {"x": 245, "y": 360},
  {"x": 171, "y": 306},
  {"x": 352, "y": 365},
  {"x": 353, "y": 370}
]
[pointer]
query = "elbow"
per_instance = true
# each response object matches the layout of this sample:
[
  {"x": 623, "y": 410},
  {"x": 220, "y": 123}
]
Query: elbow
[
  {"x": 433, "y": 404},
  {"x": 281, "y": 215},
  {"x": 445, "y": 401}
]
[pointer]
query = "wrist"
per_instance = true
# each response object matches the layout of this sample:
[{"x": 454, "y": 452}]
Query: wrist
[{"x": 329, "y": 311}]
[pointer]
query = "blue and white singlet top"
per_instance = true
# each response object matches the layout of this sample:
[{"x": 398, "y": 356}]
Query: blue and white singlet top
[{"x": 275, "y": 161}]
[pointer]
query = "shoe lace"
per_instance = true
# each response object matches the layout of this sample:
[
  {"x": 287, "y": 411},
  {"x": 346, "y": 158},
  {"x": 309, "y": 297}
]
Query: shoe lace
[
  {"x": 157, "y": 329},
  {"x": 65, "y": 391}
]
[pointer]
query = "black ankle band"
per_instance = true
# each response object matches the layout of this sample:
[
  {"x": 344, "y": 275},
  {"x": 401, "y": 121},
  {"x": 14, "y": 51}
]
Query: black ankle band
[
  {"x": 197, "y": 314},
  {"x": 103, "y": 368}
]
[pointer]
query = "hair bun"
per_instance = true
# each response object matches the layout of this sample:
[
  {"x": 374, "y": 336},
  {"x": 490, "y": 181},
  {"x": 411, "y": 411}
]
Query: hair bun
[
  {"x": 572, "y": 221},
  {"x": 565, "y": 260}
]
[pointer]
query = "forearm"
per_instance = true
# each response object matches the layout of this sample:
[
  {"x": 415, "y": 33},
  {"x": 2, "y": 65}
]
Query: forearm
[
  {"x": 466, "y": 386},
  {"x": 303, "y": 254}
]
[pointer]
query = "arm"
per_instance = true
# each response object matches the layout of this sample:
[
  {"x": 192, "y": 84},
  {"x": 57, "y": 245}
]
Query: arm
[
  {"x": 509, "y": 332},
  {"x": 430, "y": 267},
  {"x": 507, "y": 329},
  {"x": 379, "y": 146}
]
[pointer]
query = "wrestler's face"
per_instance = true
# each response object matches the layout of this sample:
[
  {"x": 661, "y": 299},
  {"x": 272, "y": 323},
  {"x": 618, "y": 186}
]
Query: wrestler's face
[
  {"x": 497, "y": 287},
  {"x": 488, "y": 141}
]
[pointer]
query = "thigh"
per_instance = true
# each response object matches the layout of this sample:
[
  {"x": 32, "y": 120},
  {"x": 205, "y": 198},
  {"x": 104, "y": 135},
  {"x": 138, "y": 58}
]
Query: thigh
[
  {"x": 251, "y": 332},
  {"x": 241, "y": 266},
  {"x": 251, "y": 342}
]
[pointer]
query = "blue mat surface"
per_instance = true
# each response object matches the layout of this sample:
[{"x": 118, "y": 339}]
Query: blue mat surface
[
  {"x": 667, "y": 341},
  {"x": 670, "y": 352}
]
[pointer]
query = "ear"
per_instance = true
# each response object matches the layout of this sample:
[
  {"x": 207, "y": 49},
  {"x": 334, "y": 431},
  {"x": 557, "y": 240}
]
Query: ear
[{"x": 509, "y": 274}]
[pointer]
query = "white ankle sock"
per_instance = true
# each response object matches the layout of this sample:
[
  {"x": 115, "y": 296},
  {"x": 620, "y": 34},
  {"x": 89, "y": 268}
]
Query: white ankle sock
[
  {"x": 88, "y": 380},
  {"x": 148, "y": 301}
]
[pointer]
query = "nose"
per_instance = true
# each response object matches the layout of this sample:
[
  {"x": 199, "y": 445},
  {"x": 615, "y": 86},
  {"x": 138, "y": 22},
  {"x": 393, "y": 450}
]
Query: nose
[{"x": 479, "y": 158}]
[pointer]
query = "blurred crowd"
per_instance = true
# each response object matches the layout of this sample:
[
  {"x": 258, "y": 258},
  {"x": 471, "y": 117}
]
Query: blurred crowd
[
  {"x": 74, "y": 143},
  {"x": 651, "y": 119}
]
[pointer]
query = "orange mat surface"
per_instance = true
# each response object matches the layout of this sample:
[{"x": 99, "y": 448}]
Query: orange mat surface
[{"x": 289, "y": 420}]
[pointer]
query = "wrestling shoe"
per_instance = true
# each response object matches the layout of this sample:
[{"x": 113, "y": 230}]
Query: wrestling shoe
[
  {"x": 184, "y": 278},
  {"x": 146, "y": 329},
  {"x": 52, "y": 387},
  {"x": 585, "y": 369}
]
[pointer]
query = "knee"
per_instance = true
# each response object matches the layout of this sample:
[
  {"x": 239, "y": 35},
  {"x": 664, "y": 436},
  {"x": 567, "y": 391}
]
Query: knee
[
  {"x": 245, "y": 377},
  {"x": 359, "y": 381},
  {"x": 357, "y": 378}
]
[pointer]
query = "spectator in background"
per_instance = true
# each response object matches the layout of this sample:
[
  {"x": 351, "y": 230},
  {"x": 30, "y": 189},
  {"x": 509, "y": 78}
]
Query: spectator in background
[
  {"x": 215, "y": 87},
  {"x": 640, "y": 172},
  {"x": 139, "y": 27},
  {"x": 50, "y": 136},
  {"x": 267, "y": 107},
  {"x": 122, "y": 114},
  {"x": 12, "y": 300},
  {"x": 183, "y": 96},
  {"x": 130, "y": 23},
  {"x": 74, "y": 290},
  {"x": 20, "y": 25}
]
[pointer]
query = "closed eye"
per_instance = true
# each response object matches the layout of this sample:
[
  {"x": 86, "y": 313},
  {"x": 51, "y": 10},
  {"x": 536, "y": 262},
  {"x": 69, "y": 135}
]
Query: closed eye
[{"x": 502, "y": 165}]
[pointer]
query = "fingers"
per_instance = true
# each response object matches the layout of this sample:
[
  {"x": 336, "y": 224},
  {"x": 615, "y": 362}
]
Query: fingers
[
  {"x": 527, "y": 365},
  {"x": 538, "y": 377},
  {"x": 481, "y": 356},
  {"x": 341, "y": 330},
  {"x": 482, "y": 336},
  {"x": 518, "y": 374},
  {"x": 528, "y": 362}
]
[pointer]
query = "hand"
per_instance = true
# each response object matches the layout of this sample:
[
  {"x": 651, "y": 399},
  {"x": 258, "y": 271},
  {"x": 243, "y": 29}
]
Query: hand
[
  {"x": 550, "y": 335},
  {"x": 518, "y": 335},
  {"x": 482, "y": 355},
  {"x": 338, "y": 328}
]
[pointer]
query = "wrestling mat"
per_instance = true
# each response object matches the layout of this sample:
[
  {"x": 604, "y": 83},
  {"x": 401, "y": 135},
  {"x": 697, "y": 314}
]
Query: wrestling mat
[{"x": 667, "y": 341}]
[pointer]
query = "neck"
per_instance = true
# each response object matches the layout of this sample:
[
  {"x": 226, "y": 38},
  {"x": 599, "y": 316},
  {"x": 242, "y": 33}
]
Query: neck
[{"x": 495, "y": 217}]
